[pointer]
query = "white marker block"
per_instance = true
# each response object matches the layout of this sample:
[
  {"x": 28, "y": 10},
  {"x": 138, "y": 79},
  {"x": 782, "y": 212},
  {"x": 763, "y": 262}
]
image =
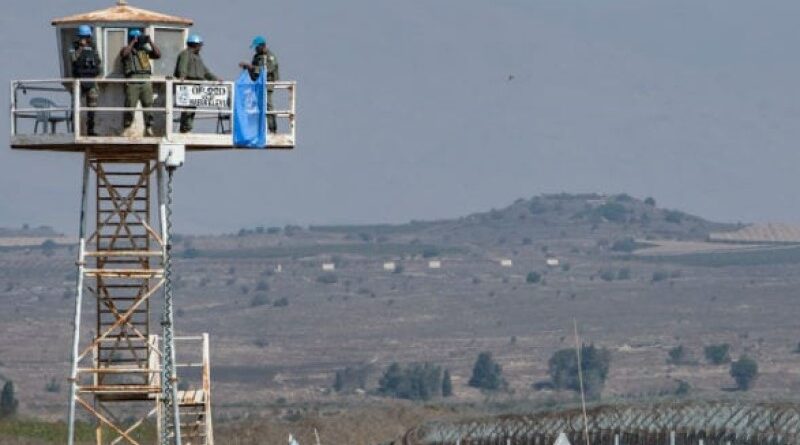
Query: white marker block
[
  {"x": 390, "y": 266},
  {"x": 552, "y": 262},
  {"x": 435, "y": 264},
  {"x": 328, "y": 267},
  {"x": 506, "y": 263}
]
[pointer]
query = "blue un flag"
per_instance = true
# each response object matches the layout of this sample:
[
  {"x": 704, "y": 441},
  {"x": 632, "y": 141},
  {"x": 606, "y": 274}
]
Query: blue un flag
[{"x": 250, "y": 111}]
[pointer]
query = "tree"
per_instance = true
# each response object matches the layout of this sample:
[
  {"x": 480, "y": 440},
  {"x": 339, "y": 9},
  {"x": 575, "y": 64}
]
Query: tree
[
  {"x": 744, "y": 371},
  {"x": 595, "y": 363},
  {"x": 678, "y": 355},
  {"x": 612, "y": 211},
  {"x": 447, "y": 384},
  {"x": 673, "y": 216},
  {"x": 8, "y": 402},
  {"x": 718, "y": 354},
  {"x": 650, "y": 201},
  {"x": 48, "y": 246},
  {"x": 417, "y": 381},
  {"x": 487, "y": 374}
]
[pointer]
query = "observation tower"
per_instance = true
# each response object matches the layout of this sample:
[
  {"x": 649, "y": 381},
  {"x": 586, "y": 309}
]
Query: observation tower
[{"x": 126, "y": 371}]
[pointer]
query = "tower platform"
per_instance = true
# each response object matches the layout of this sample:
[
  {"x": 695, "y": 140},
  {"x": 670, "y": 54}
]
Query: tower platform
[{"x": 49, "y": 115}]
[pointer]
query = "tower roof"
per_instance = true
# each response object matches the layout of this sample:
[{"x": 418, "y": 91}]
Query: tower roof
[{"x": 122, "y": 13}]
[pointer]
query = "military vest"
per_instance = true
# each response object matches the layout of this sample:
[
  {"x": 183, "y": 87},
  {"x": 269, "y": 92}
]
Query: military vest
[
  {"x": 87, "y": 64},
  {"x": 137, "y": 63}
]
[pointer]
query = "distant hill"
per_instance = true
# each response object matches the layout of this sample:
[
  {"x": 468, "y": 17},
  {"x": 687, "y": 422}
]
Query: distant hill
[
  {"x": 28, "y": 232},
  {"x": 554, "y": 216}
]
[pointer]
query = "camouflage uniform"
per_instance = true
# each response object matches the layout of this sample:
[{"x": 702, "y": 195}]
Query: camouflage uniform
[
  {"x": 269, "y": 61},
  {"x": 86, "y": 64},
  {"x": 137, "y": 65},
  {"x": 190, "y": 66}
]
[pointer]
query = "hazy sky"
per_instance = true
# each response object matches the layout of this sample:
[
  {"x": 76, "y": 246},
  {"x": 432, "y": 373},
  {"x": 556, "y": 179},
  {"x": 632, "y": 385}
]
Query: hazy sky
[{"x": 406, "y": 110}]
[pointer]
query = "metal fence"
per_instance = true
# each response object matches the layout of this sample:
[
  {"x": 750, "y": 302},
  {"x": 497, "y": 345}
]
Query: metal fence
[{"x": 725, "y": 423}]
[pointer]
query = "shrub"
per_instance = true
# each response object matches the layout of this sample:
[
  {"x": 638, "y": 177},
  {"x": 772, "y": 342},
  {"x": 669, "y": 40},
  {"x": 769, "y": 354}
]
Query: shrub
[
  {"x": 487, "y": 374},
  {"x": 262, "y": 286},
  {"x": 328, "y": 278},
  {"x": 659, "y": 275},
  {"x": 447, "y": 384},
  {"x": 52, "y": 386},
  {"x": 417, "y": 381},
  {"x": 259, "y": 300},
  {"x": 533, "y": 277},
  {"x": 718, "y": 354},
  {"x": 678, "y": 355},
  {"x": 624, "y": 274},
  {"x": 430, "y": 252},
  {"x": 351, "y": 379},
  {"x": 744, "y": 371},
  {"x": 612, "y": 211},
  {"x": 595, "y": 363},
  {"x": 650, "y": 201},
  {"x": 683, "y": 388},
  {"x": 673, "y": 216},
  {"x": 281, "y": 302},
  {"x": 8, "y": 401},
  {"x": 607, "y": 275},
  {"x": 537, "y": 207}
]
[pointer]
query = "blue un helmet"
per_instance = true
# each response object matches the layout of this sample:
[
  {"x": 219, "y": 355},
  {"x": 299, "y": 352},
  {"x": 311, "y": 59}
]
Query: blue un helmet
[
  {"x": 134, "y": 33},
  {"x": 194, "y": 39},
  {"x": 258, "y": 41},
  {"x": 84, "y": 31}
]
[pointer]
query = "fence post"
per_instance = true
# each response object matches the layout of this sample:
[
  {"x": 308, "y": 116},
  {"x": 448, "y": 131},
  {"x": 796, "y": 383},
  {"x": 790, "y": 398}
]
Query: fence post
[{"x": 672, "y": 438}]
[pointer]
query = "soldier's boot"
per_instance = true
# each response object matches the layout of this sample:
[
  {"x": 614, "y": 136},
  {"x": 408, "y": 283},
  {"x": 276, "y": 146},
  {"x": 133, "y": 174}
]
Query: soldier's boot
[{"x": 148, "y": 124}]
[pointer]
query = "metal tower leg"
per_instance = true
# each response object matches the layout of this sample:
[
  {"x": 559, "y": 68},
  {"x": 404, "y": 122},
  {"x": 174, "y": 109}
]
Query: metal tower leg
[
  {"x": 171, "y": 409},
  {"x": 76, "y": 323}
]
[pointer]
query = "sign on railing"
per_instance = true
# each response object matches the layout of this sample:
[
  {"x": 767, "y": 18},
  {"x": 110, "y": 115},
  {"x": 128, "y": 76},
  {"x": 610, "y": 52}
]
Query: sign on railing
[{"x": 202, "y": 96}]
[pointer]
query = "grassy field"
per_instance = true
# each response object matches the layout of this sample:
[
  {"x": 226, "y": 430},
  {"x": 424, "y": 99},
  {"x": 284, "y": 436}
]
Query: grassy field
[{"x": 278, "y": 338}]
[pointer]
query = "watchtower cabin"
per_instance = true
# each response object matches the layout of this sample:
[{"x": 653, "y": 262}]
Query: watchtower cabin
[
  {"x": 125, "y": 375},
  {"x": 49, "y": 114}
]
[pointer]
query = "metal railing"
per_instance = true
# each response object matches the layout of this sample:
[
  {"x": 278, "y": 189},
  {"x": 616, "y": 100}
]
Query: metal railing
[{"x": 52, "y": 102}]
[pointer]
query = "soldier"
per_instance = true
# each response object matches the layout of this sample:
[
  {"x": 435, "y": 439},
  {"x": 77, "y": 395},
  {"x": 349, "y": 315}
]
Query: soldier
[
  {"x": 136, "y": 64},
  {"x": 264, "y": 58},
  {"x": 86, "y": 65},
  {"x": 190, "y": 66}
]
